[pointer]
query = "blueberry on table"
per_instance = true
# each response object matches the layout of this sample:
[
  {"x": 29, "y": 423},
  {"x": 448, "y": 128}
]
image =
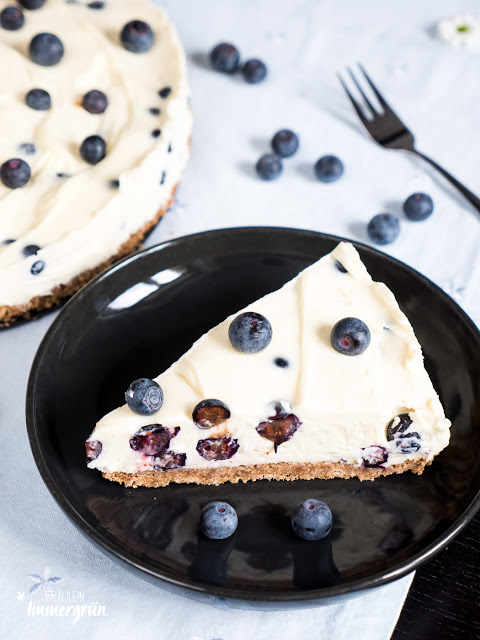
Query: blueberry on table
[
  {"x": 383, "y": 228},
  {"x": 374, "y": 456},
  {"x": 225, "y": 58},
  {"x": 269, "y": 166},
  {"x": 12, "y": 18},
  {"x": 15, "y": 173},
  {"x": 418, "y": 206},
  {"x": 137, "y": 36},
  {"x": 93, "y": 149},
  {"x": 95, "y": 101},
  {"x": 153, "y": 439},
  {"x": 285, "y": 143},
  {"x": 350, "y": 336},
  {"x": 93, "y": 449},
  {"x": 254, "y": 71},
  {"x": 221, "y": 448},
  {"x": 31, "y": 4},
  {"x": 46, "y": 49},
  {"x": 210, "y": 413},
  {"x": 144, "y": 396},
  {"x": 312, "y": 520},
  {"x": 250, "y": 332},
  {"x": 328, "y": 168},
  {"x": 38, "y": 99},
  {"x": 218, "y": 520}
]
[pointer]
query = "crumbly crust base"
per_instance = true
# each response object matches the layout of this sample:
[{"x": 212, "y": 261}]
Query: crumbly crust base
[
  {"x": 270, "y": 471},
  {"x": 10, "y": 314}
]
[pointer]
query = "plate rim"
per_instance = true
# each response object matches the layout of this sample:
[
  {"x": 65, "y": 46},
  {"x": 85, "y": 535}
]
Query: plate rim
[{"x": 377, "y": 579}]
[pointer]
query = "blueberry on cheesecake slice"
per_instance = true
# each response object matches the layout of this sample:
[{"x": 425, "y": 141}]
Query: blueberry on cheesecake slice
[{"x": 323, "y": 378}]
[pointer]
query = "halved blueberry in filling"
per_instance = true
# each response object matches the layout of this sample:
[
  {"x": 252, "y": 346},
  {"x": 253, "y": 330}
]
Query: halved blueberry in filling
[
  {"x": 210, "y": 413},
  {"x": 221, "y": 448},
  {"x": 169, "y": 460},
  {"x": 152, "y": 440},
  {"x": 408, "y": 443},
  {"x": 394, "y": 429},
  {"x": 93, "y": 449},
  {"x": 279, "y": 429},
  {"x": 374, "y": 456}
]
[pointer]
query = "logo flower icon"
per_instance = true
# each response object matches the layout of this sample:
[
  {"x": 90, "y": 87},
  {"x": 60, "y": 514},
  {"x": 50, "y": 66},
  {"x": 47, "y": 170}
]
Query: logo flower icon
[{"x": 45, "y": 581}]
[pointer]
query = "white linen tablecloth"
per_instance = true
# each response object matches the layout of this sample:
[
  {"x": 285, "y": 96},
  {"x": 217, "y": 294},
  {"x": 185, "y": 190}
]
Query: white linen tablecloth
[{"x": 435, "y": 89}]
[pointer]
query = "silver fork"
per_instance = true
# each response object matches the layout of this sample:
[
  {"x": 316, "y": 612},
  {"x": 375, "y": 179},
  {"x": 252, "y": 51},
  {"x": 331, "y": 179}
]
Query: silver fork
[{"x": 387, "y": 129}]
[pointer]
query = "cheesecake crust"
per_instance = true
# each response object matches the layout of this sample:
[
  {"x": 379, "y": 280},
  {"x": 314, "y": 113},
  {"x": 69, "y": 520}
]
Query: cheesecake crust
[
  {"x": 10, "y": 314},
  {"x": 270, "y": 471}
]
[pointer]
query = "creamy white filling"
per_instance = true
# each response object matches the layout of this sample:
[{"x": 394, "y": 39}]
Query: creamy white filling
[
  {"x": 80, "y": 221},
  {"x": 344, "y": 403}
]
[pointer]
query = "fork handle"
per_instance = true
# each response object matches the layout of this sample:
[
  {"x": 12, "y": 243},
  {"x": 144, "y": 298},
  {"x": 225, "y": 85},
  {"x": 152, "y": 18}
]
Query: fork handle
[{"x": 471, "y": 197}]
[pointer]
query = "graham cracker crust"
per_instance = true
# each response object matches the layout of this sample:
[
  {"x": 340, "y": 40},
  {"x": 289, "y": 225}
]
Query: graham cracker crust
[
  {"x": 9, "y": 314},
  {"x": 270, "y": 471}
]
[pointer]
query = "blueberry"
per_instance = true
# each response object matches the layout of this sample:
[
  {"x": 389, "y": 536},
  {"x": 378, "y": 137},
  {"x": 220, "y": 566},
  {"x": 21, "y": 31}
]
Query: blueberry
[
  {"x": 282, "y": 363},
  {"x": 210, "y": 413},
  {"x": 152, "y": 439},
  {"x": 155, "y": 111},
  {"x": 384, "y": 228},
  {"x": 30, "y": 250},
  {"x": 328, "y": 168},
  {"x": 279, "y": 429},
  {"x": 350, "y": 336},
  {"x": 169, "y": 150},
  {"x": 38, "y": 99},
  {"x": 12, "y": 18},
  {"x": 408, "y": 445},
  {"x": 28, "y": 148},
  {"x": 312, "y": 520},
  {"x": 163, "y": 177},
  {"x": 95, "y": 101},
  {"x": 225, "y": 58},
  {"x": 374, "y": 456},
  {"x": 269, "y": 167},
  {"x": 31, "y": 4},
  {"x": 46, "y": 49},
  {"x": 63, "y": 175},
  {"x": 418, "y": 207},
  {"x": 285, "y": 143},
  {"x": 114, "y": 184},
  {"x": 339, "y": 266},
  {"x": 137, "y": 36},
  {"x": 144, "y": 396},
  {"x": 165, "y": 92},
  {"x": 254, "y": 71},
  {"x": 93, "y": 149},
  {"x": 218, "y": 520},
  {"x": 222, "y": 448},
  {"x": 156, "y": 133},
  {"x": 8, "y": 241},
  {"x": 37, "y": 267},
  {"x": 15, "y": 173},
  {"x": 250, "y": 332},
  {"x": 398, "y": 425},
  {"x": 96, "y": 5},
  {"x": 93, "y": 449},
  {"x": 169, "y": 460}
]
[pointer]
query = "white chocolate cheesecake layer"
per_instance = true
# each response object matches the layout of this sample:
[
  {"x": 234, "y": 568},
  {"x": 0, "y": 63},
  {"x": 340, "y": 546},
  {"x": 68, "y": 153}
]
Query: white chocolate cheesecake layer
[
  {"x": 343, "y": 402},
  {"x": 69, "y": 208}
]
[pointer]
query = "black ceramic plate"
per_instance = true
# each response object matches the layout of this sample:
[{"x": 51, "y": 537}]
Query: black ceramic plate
[{"x": 140, "y": 316}]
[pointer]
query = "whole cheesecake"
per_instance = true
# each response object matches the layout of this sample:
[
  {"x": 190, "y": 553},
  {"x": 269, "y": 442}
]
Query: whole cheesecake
[
  {"x": 323, "y": 378},
  {"x": 94, "y": 138}
]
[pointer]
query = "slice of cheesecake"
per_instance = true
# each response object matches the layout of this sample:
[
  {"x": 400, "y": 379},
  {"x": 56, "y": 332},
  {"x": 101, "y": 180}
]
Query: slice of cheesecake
[{"x": 323, "y": 378}]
